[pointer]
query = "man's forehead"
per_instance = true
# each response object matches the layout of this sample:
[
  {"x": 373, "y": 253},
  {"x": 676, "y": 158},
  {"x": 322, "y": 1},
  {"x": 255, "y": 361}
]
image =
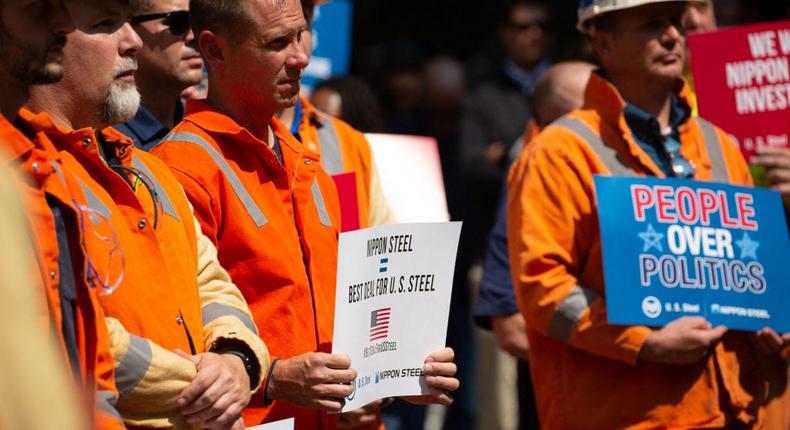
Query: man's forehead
[
  {"x": 277, "y": 17},
  {"x": 169, "y": 5},
  {"x": 87, "y": 8}
]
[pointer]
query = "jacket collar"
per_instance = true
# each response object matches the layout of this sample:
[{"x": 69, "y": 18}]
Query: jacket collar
[{"x": 83, "y": 140}]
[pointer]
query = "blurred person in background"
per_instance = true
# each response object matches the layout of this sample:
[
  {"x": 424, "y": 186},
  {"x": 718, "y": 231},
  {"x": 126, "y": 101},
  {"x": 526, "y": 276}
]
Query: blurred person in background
[
  {"x": 493, "y": 116},
  {"x": 350, "y": 99},
  {"x": 58, "y": 308},
  {"x": 558, "y": 91},
  {"x": 168, "y": 63},
  {"x": 495, "y": 112},
  {"x": 687, "y": 373}
]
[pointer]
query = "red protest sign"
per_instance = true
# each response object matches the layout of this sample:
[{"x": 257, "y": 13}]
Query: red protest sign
[
  {"x": 742, "y": 79},
  {"x": 346, "y": 184}
]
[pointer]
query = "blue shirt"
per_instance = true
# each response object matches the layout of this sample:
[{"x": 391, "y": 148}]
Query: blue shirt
[
  {"x": 496, "y": 296},
  {"x": 145, "y": 130},
  {"x": 648, "y": 135}
]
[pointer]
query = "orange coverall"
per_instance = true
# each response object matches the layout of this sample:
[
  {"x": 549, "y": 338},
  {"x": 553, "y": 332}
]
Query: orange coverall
[
  {"x": 585, "y": 371},
  {"x": 170, "y": 298},
  {"x": 275, "y": 226},
  {"x": 39, "y": 159},
  {"x": 344, "y": 149}
]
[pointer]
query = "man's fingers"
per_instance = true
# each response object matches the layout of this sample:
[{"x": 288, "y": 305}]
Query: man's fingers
[
  {"x": 196, "y": 388},
  {"x": 717, "y": 333},
  {"x": 443, "y": 356},
  {"x": 440, "y": 369},
  {"x": 778, "y": 175},
  {"x": 338, "y": 361},
  {"x": 230, "y": 413},
  {"x": 331, "y": 404},
  {"x": 339, "y": 376},
  {"x": 442, "y": 383},
  {"x": 339, "y": 391}
]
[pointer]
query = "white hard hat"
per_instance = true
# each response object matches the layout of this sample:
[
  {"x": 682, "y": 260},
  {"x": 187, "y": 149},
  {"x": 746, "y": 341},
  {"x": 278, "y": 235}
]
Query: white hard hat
[{"x": 589, "y": 9}]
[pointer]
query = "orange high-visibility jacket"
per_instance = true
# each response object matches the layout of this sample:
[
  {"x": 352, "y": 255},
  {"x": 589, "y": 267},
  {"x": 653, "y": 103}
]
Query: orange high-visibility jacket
[
  {"x": 275, "y": 227},
  {"x": 173, "y": 295},
  {"x": 585, "y": 372},
  {"x": 40, "y": 160},
  {"x": 343, "y": 150}
]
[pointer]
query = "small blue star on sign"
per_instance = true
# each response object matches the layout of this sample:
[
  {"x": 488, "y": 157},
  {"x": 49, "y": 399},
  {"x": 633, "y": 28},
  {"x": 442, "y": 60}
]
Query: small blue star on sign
[
  {"x": 748, "y": 247},
  {"x": 652, "y": 239}
]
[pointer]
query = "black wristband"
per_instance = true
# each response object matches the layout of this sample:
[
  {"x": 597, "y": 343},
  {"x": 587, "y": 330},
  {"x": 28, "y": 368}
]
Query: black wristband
[{"x": 266, "y": 400}]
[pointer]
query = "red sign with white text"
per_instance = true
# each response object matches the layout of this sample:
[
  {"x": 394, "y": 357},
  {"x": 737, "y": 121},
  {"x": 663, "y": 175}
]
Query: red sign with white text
[{"x": 742, "y": 79}]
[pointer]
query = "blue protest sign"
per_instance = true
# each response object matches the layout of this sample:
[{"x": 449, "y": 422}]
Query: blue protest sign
[
  {"x": 331, "y": 42},
  {"x": 674, "y": 248}
]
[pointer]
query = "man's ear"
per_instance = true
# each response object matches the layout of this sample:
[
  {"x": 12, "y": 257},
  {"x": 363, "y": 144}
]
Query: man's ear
[
  {"x": 212, "y": 47},
  {"x": 602, "y": 44}
]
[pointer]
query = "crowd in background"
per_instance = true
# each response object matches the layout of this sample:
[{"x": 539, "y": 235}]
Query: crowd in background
[{"x": 192, "y": 350}]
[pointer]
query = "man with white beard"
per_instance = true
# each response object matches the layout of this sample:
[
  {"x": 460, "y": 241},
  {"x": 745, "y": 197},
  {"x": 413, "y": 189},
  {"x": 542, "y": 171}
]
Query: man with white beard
[{"x": 165, "y": 292}]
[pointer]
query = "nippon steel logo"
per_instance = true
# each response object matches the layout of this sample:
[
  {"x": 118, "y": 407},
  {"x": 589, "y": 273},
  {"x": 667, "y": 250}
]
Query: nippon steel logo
[{"x": 409, "y": 372}]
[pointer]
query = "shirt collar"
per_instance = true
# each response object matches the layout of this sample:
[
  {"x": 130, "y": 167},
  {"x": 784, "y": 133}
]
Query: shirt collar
[
  {"x": 645, "y": 126},
  {"x": 82, "y": 140},
  {"x": 145, "y": 127},
  {"x": 523, "y": 79}
]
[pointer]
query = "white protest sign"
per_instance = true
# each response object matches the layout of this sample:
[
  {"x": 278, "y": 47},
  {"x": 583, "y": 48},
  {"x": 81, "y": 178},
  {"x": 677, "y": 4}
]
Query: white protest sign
[
  {"x": 393, "y": 299},
  {"x": 287, "y": 424}
]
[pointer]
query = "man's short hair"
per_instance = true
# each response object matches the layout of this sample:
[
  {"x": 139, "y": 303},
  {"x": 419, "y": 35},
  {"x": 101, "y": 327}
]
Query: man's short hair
[
  {"x": 230, "y": 18},
  {"x": 308, "y": 8},
  {"x": 140, "y": 7}
]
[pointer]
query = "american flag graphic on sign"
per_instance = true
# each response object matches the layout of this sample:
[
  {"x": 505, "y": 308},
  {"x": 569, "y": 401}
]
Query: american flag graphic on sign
[{"x": 379, "y": 323}]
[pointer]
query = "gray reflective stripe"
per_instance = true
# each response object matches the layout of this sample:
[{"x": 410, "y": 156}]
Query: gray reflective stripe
[
  {"x": 318, "y": 198},
  {"x": 238, "y": 188},
  {"x": 134, "y": 365},
  {"x": 213, "y": 311},
  {"x": 59, "y": 171},
  {"x": 713, "y": 145},
  {"x": 105, "y": 403},
  {"x": 606, "y": 154},
  {"x": 168, "y": 205},
  {"x": 331, "y": 160},
  {"x": 569, "y": 312},
  {"x": 93, "y": 200}
]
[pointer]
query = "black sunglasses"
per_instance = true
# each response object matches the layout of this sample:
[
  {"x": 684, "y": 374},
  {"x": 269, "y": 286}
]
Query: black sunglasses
[{"x": 177, "y": 21}]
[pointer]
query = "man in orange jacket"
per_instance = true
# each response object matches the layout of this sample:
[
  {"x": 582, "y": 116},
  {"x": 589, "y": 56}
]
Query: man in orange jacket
[
  {"x": 168, "y": 291},
  {"x": 264, "y": 199},
  {"x": 343, "y": 149},
  {"x": 32, "y": 41},
  {"x": 636, "y": 120}
]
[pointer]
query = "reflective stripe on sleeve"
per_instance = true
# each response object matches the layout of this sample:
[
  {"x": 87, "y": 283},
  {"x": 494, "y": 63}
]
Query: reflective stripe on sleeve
[
  {"x": 318, "y": 198},
  {"x": 238, "y": 188},
  {"x": 606, "y": 154},
  {"x": 713, "y": 145},
  {"x": 331, "y": 160},
  {"x": 166, "y": 202},
  {"x": 212, "y": 311},
  {"x": 105, "y": 404},
  {"x": 569, "y": 312},
  {"x": 134, "y": 365}
]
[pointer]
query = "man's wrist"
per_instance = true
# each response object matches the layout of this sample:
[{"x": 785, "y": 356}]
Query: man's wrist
[
  {"x": 269, "y": 385},
  {"x": 247, "y": 364}
]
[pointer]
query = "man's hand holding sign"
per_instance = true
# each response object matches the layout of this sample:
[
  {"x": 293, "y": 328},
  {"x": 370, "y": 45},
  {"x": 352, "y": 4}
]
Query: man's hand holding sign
[
  {"x": 391, "y": 308},
  {"x": 697, "y": 258}
]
